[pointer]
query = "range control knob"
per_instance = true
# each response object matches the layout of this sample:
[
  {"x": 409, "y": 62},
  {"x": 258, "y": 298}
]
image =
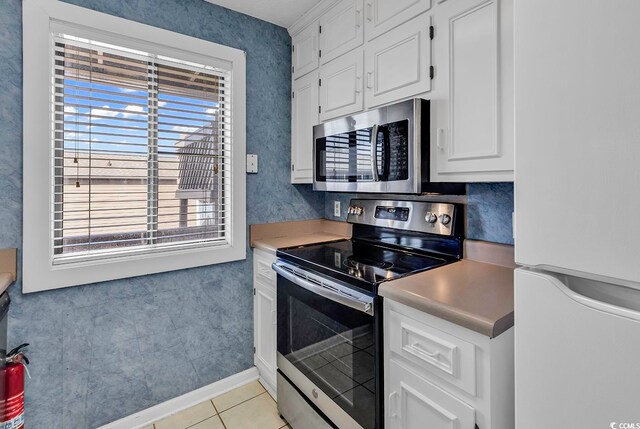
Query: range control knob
[
  {"x": 430, "y": 217},
  {"x": 355, "y": 210},
  {"x": 445, "y": 219}
]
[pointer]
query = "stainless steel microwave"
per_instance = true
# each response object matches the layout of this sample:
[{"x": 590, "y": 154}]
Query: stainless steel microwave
[{"x": 385, "y": 150}]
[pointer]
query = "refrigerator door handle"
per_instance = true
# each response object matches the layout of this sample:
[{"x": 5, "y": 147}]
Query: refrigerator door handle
[{"x": 606, "y": 297}]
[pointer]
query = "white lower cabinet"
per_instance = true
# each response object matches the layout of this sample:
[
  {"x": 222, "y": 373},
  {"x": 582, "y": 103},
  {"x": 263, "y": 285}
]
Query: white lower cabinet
[
  {"x": 415, "y": 403},
  {"x": 264, "y": 318},
  {"x": 440, "y": 375}
]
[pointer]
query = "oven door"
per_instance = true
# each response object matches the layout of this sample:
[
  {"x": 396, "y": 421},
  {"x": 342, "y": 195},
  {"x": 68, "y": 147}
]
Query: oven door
[{"x": 328, "y": 346}]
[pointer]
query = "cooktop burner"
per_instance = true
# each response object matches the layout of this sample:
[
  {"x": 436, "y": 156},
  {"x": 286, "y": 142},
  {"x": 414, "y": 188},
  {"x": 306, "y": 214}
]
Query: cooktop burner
[
  {"x": 361, "y": 260},
  {"x": 358, "y": 262}
]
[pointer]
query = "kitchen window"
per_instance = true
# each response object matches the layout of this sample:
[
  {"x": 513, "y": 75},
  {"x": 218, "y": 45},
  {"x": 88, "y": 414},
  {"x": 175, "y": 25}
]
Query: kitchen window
[{"x": 133, "y": 149}]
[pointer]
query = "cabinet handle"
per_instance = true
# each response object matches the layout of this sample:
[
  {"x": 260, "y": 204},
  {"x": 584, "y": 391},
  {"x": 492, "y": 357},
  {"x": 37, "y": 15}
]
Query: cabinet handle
[
  {"x": 358, "y": 17},
  {"x": 358, "y": 84},
  {"x": 369, "y": 79},
  {"x": 274, "y": 317},
  {"x": 369, "y": 11},
  {"x": 393, "y": 405},
  {"x": 421, "y": 350},
  {"x": 440, "y": 139}
]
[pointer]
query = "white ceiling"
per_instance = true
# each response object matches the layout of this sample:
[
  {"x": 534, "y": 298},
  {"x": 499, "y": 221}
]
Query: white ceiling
[{"x": 279, "y": 12}]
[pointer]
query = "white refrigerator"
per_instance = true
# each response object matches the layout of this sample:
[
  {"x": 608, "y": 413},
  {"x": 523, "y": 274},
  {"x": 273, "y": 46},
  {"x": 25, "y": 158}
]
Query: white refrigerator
[{"x": 577, "y": 213}]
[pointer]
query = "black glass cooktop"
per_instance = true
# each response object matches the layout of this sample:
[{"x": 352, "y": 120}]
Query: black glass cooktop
[{"x": 360, "y": 260}]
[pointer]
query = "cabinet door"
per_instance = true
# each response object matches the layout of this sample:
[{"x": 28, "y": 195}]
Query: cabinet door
[
  {"x": 304, "y": 46},
  {"x": 383, "y": 15},
  {"x": 304, "y": 115},
  {"x": 341, "y": 29},
  {"x": 341, "y": 86},
  {"x": 473, "y": 101},
  {"x": 398, "y": 63},
  {"x": 264, "y": 309},
  {"x": 414, "y": 403}
]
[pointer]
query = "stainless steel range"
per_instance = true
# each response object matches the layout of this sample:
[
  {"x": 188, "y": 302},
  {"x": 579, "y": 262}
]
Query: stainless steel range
[{"x": 330, "y": 315}]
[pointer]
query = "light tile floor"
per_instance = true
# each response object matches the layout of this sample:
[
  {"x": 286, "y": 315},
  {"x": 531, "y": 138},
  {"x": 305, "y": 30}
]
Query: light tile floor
[{"x": 247, "y": 407}]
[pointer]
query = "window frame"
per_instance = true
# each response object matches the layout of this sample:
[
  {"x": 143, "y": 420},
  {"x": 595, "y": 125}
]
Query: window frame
[{"x": 39, "y": 271}]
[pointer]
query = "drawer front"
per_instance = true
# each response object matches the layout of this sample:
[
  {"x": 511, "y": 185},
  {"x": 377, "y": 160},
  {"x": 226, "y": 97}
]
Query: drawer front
[
  {"x": 262, "y": 267},
  {"x": 433, "y": 352},
  {"x": 413, "y": 402}
]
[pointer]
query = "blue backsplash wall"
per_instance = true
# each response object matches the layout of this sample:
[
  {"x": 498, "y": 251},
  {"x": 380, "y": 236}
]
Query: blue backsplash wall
[
  {"x": 103, "y": 351},
  {"x": 489, "y": 208},
  {"x": 489, "y": 212}
]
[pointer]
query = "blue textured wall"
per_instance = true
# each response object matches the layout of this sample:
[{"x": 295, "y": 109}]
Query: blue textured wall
[
  {"x": 101, "y": 352},
  {"x": 489, "y": 211}
]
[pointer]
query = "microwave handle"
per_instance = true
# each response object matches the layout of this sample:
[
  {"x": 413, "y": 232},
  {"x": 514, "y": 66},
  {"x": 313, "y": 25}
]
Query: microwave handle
[{"x": 374, "y": 152}]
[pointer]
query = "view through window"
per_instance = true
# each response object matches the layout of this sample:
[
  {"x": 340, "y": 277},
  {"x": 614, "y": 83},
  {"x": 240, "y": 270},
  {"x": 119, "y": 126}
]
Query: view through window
[{"x": 141, "y": 151}]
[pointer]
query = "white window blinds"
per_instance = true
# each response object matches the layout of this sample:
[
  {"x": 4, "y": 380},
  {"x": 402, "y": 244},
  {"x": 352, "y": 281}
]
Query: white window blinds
[{"x": 141, "y": 151}]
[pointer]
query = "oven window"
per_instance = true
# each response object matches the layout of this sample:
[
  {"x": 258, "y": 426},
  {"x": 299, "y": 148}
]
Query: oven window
[{"x": 333, "y": 345}]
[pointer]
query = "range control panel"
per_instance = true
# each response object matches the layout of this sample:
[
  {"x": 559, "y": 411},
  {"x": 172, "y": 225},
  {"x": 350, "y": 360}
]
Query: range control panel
[
  {"x": 392, "y": 213},
  {"x": 422, "y": 216}
]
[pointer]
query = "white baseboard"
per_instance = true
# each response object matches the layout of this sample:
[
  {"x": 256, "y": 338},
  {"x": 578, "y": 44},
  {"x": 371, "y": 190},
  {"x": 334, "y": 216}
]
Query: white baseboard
[
  {"x": 269, "y": 388},
  {"x": 172, "y": 406}
]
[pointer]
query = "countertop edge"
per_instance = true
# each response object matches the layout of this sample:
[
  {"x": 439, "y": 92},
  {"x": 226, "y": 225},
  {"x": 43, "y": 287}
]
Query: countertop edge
[
  {"x": 8, "y": 267},
  {"x": 6, "y": 279},
  {"x": 265, "y": 232},
  {"x": 271, "y": 245},
  {"x": 450, "y": 314}
]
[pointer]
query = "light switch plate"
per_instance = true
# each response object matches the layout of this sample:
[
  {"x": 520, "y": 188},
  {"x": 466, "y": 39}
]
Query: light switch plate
[
  {"x": 252, "y": 163},
  {"x": 336, "y": 208}
]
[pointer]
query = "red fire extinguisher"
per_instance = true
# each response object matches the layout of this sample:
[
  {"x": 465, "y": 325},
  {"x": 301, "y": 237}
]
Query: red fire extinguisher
[{"x": 12, "y": 403}]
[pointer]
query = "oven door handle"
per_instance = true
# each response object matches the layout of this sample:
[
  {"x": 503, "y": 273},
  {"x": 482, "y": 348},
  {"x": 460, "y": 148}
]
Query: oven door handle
[{"x": 365, "y": 306}]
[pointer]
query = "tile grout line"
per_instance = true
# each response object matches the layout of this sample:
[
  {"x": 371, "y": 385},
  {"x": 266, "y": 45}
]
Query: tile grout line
[
  {"x": 240, "y": 403},
  {"x": 197, "y": 423},
  {"x": 218, "y": 413},
  {"x": 210, "y": 417}
]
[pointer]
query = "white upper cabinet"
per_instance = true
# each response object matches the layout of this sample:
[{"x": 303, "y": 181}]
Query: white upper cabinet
[
  {"x": 304, "y": 115},
  {"x": 398, "y": 63},
  {"x": 341, "y": 29},
  {"x": 341, "y": 86},
  {"x": 369, "y": 53},
  {"x": 383, "y": 15},
  {"x": 472, "y": 100},
  {"x": 304, "y": 50}
]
